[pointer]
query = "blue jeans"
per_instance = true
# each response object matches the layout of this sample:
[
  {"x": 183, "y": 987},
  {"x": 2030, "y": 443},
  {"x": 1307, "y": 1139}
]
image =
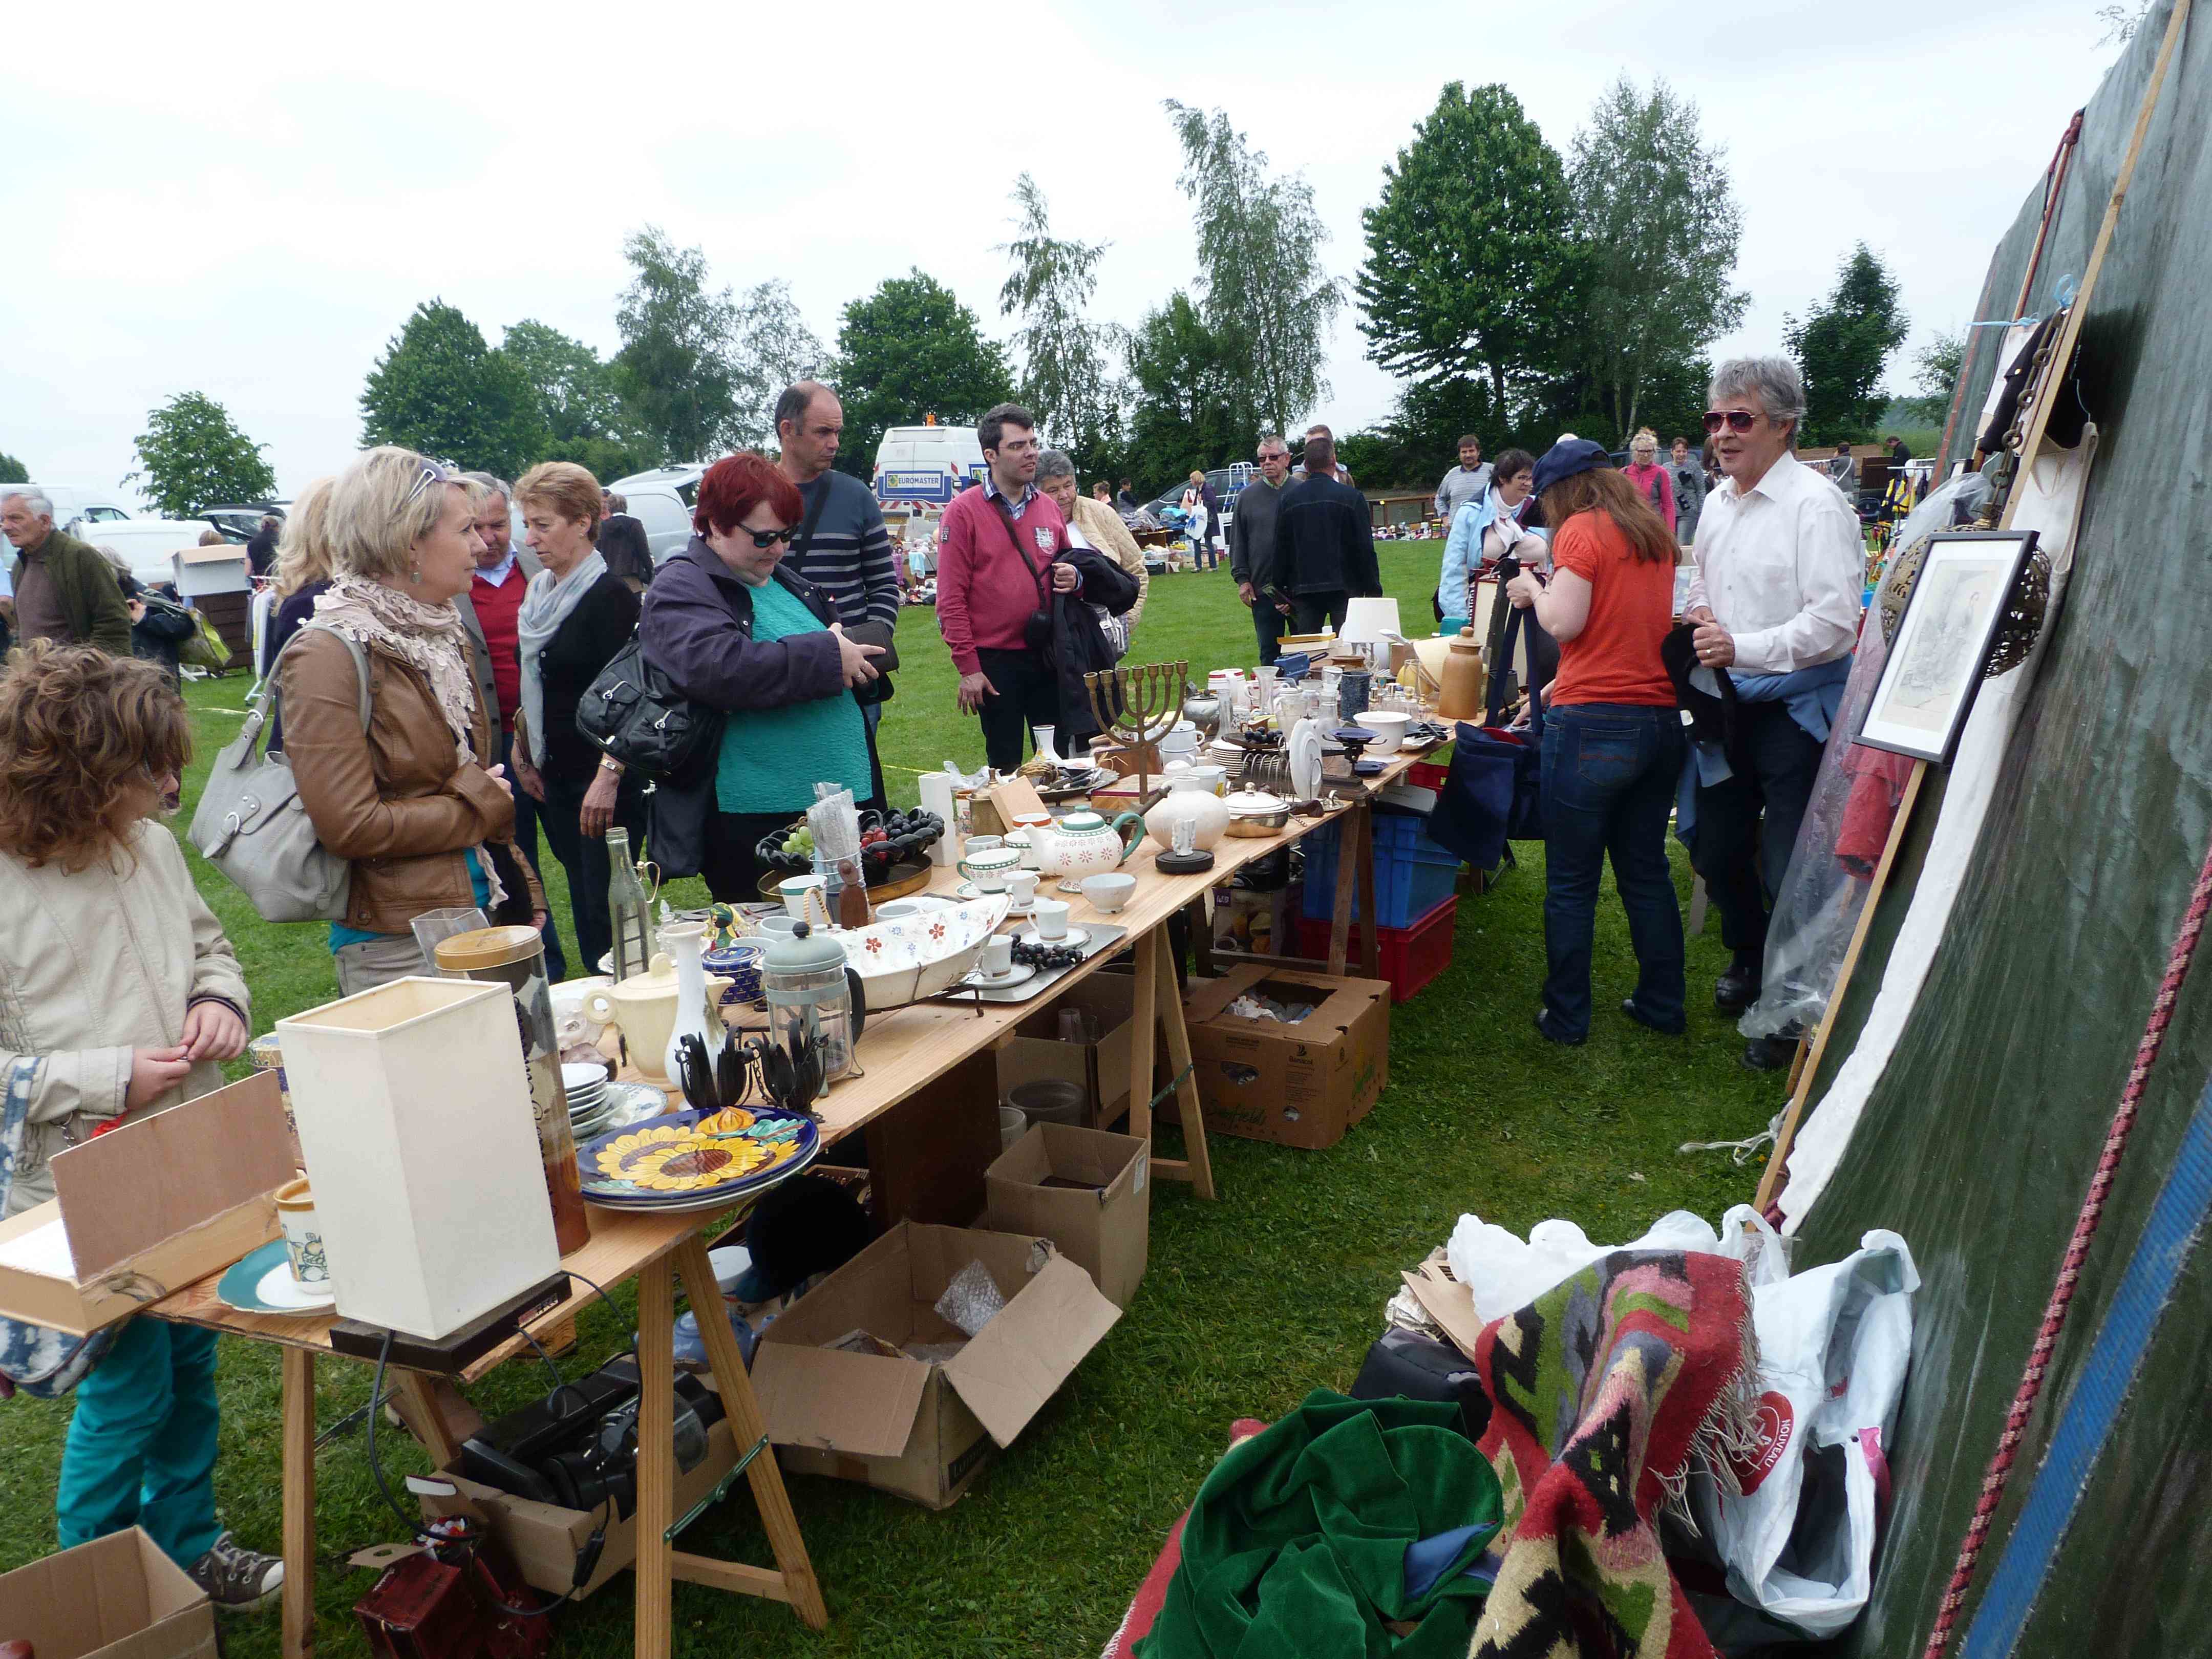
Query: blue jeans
[
  {"x": 526, "y": 815},
  {"x": 1610, "y": 773},
  {"x": 141, "y": 1447}
]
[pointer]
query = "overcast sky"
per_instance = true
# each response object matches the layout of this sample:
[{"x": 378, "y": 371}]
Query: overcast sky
[{"x": 248, "y": 199}]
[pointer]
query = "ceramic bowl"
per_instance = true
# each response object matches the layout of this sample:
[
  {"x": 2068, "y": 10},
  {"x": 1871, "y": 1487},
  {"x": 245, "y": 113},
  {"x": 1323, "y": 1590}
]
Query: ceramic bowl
[
  {"x": 1387, "y": 724},
  {"x": 909, "y": 958},
  {"x": 1108, "y": 892}
]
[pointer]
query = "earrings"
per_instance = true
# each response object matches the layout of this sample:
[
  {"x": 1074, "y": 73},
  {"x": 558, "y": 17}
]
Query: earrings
[{"x": 416, "y": 575}]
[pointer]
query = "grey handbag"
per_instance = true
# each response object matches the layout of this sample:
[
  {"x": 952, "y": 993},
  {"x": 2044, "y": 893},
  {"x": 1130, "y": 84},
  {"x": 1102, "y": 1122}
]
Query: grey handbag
[{"x": 252, "y": 824}]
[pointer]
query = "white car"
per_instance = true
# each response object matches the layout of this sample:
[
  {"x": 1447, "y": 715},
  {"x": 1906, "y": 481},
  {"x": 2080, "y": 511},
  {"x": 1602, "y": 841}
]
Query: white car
[
  {"x": 662, "y": 500},
  {"x": 75, "y": 508},
  {"x": 147, "y": 546}
]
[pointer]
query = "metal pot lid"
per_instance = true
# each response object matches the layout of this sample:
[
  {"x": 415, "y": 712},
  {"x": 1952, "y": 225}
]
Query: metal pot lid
[{"x": 803, "y": 950}]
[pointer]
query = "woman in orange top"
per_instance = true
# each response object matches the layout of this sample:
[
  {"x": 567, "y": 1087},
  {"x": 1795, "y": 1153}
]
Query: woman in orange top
[{"x": 1612, "y": 741}]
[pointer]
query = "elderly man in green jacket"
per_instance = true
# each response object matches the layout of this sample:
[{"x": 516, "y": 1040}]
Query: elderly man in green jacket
[{"x": 64, "y": 590}]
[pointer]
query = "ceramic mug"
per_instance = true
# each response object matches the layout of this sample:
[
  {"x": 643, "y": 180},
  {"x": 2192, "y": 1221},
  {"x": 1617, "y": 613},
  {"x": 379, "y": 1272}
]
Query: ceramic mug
[
  {"x": 1023, "y": 884},
  {"x": 998, "y": 958},
  {"x": 990, "y": 869},
  {"x": 1051, "y": 915},
  {"x": 303, "y": 1244},
  {"x": 793, "y": 893}
]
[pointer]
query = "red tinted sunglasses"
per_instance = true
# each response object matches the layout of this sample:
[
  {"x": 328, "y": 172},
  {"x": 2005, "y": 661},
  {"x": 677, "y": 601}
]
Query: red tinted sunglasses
[{"x": 1738, "y": 420}]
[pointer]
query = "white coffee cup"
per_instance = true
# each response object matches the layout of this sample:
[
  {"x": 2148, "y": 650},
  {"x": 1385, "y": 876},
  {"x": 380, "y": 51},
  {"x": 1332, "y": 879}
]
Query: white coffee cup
[
  {"x": 1051, "y": 917},
  {"x": 1023, "y": 885},
  {"x": 999, "y": 955},
  {"x": 794, "y": 891}
]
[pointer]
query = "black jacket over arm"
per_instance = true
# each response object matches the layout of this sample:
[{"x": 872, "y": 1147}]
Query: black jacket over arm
[{"x": 1079, "y": 645}]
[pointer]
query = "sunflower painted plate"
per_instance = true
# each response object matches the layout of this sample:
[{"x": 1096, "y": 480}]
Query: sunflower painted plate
[{"x": 691, "y": 1158}]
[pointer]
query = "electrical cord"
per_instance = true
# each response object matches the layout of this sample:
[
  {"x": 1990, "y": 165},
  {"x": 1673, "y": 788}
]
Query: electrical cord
[{"x": 587, "y": 1558}]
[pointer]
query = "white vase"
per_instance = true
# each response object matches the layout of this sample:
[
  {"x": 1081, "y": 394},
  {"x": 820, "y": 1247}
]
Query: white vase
[
  {"x": 1188, "y": 797},
  {"x": 685, "y": 944}
]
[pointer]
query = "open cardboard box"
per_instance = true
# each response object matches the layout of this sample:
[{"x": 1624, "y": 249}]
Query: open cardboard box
[
  {"x": 544, "y": 1540},
  {"x": 149, "y": 1208},
  {"x": 1298, "y": 1086},
  {"x": 923, "y": 1430},
  {"x": 117, "y": 1597},
  {"x": 1089, "y": 1192},
  {"x": 1100, "y": 1069}
]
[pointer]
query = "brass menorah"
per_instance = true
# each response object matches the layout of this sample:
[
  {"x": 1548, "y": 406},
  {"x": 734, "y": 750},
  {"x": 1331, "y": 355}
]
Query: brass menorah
[{"x": 1137, "y": 706}]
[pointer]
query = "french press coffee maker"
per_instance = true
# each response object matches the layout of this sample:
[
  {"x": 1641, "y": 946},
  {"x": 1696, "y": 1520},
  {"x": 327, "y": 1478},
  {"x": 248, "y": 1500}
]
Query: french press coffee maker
[{"x": 815, "y": 1007}]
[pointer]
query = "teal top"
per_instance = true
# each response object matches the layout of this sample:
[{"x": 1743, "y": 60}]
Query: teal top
[
  {"x": 772, "y": 758},
  {"x": 342, "y": 936}
]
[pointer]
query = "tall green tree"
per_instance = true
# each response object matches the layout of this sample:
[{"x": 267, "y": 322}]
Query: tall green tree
[
  {"x": 675, "y": 368},
  {"x": 1660, "y": 228},
  {"x": 439, "y": 389},
  {"x": 577, "y": 406},
  {"x": 908, "y": 349},
  {"x": 774, "y": 348},
  {"x": 13, "y": 471},
  {"x": 192, "y": 456},
  {"x": 1068, "y": 376},
  {"x": 1193, "y": 405},
  {"x": 1842, "y": 346},
  {"x": 1935, "y": 370},
  {"x": 1472, "y": 264},
  {"x": 1262, "y": 289}
]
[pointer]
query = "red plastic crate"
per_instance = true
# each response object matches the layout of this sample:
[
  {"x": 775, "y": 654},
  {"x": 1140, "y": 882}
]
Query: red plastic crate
[
  {"x": 1409, "y": 957},
  {"x": 1427, "y": 775}
]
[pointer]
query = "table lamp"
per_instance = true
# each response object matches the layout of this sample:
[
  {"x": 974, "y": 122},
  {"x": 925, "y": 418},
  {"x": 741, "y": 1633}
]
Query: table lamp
[{"x": 1369, "y": 623}]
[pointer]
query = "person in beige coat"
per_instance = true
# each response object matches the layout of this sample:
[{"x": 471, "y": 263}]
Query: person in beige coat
[
  {"x": 1100, "y": 527},
  {"x": 118, "y": 996}
]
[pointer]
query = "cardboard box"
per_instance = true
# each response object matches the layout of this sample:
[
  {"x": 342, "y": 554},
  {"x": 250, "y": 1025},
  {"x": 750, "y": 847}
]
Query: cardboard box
[
  {"x": 117, "y": 1597},
  {"x": 1100, "y": 1068},
  {"x": 1258, "y": 924},
  {"x": 543, "y": 1539},
  {"x": 923, "y": 1430},
  {"x": 414, "y": 1115},
  {"x": 1298, "y": 1085},
  {"x": 1090, "y": 1193},
  {"x": 149, "y": 1208}
]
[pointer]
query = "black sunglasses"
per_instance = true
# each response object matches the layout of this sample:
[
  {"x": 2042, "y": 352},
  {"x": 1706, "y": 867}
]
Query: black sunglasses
[
  {"x": 1738, "y": 420},
  {"x": 764, "y": 540}
]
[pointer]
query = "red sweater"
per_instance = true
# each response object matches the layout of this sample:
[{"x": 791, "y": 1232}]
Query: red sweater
[
  {"x": 985, "y": 591},
  {"x": 497, "y": 609}
]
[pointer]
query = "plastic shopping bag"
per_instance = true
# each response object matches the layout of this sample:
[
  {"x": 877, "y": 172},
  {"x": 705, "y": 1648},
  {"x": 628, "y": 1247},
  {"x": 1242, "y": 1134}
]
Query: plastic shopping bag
[
  {"x": 1504, "y": 1273},
  {"x": 1797, "y": 1536}
]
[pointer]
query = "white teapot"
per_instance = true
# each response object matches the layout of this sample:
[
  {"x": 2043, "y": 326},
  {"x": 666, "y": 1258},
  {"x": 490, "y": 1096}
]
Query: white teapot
[{"x": 1084, "y": 844}]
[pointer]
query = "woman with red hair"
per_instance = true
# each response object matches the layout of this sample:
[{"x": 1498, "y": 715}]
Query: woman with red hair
[{"x": 734, "y": 630}]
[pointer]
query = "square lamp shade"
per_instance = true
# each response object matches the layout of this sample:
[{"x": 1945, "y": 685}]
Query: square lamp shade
[{"x": 1369, "y": 622}]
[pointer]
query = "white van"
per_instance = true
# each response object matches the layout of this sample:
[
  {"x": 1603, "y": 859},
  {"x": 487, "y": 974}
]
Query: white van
[
  {"x": 920, "y": 466},
  {"x": 662, "y": 500},
  {"x": 75, "y": 508},
  {"x": 147, "y": 546}
]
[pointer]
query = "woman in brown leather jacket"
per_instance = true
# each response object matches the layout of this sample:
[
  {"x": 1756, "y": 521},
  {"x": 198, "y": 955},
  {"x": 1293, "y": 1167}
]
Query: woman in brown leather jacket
[{"x": 418, "y": 802}]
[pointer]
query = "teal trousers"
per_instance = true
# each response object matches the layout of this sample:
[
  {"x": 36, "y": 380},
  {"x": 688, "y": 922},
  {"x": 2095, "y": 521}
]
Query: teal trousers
[{"x": 142, "y": 1445}]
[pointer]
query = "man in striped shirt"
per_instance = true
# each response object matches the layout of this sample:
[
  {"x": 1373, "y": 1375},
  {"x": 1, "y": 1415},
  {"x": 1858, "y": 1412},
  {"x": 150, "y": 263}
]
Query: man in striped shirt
[{"x": 849, "y": 554}]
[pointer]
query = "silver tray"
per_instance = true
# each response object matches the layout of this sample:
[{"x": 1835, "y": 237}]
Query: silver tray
[{"x": 1102, "y": 940}]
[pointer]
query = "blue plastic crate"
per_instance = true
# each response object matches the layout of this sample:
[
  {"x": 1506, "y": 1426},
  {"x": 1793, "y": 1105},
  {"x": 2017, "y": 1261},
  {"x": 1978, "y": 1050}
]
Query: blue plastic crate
[{"x": 1412, "y": 874}]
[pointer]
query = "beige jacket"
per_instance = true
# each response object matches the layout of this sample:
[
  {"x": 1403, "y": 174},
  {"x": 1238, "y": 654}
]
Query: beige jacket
[
  {"x": 1102, "y": 528},
  {"x": 93, "y": 965}
]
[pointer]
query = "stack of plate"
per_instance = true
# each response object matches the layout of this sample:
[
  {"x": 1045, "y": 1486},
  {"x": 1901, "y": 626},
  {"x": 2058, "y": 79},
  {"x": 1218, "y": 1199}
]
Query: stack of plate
[{"x": 689, "y": 1161}]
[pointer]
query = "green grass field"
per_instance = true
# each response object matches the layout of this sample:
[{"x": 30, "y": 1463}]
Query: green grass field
[{"x": 1249, "y": 1303}]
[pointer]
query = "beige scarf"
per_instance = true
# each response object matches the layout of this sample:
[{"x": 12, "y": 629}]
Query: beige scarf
[{"x": 427, "y": 638}]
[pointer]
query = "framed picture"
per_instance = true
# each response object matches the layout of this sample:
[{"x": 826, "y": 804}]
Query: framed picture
[{"x": 1950, "y": 623}]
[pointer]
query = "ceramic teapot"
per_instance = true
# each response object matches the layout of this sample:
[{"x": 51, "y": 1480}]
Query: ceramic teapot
[
  {"x": 1084, "y": 844},
  {"x": 1190, "y": 795},
  {"x": 646, "y": 1007}
]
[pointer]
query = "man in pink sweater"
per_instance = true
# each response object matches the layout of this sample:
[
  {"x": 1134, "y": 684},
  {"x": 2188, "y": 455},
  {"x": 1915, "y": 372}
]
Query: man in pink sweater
[{"x": 996, "y": 546}]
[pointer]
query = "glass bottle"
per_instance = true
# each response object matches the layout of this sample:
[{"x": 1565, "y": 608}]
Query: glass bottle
[{"x": 629, "y": 908}]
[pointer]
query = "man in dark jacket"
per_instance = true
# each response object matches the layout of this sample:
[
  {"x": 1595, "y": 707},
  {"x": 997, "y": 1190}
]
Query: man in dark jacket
[
  {"x": 1324, "y": 541},
  {"x": 1252, "y": 544},
  {"x": 64, "y": 589}
]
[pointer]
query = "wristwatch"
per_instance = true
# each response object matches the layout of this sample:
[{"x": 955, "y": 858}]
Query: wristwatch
[{"x": 609, "y": 763}]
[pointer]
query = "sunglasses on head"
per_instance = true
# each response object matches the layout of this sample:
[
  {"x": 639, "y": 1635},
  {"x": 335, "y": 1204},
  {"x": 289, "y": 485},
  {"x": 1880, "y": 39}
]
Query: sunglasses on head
[
  {"x": 430, "y": 473},
  {"x": 1738, "y": 420},
  {"x": 764, "y": 540}
]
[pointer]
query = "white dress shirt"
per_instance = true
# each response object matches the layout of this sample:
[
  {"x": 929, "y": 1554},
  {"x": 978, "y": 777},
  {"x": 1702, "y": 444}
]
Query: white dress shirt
[{"x": 1782, "y": 568}]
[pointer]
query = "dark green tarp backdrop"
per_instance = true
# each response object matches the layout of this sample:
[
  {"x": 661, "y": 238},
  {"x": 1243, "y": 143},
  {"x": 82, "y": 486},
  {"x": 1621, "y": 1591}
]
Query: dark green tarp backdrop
[{"x": 1979, "y": 1140}]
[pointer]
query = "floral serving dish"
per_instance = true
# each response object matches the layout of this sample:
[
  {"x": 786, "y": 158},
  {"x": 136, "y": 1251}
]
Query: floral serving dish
[
  {"x": 681, "y": 1157},
  {"x": 911, "y": 958}
]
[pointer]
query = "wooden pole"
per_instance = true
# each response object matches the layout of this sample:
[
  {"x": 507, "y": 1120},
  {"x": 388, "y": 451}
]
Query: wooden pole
[{"x": 298, "y": 1461}]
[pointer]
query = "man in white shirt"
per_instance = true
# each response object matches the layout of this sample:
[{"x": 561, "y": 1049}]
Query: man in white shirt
[{"x": 1780, "y": 568}]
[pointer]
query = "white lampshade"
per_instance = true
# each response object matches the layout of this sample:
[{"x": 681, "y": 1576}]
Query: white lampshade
[{"x": 1369, "y": 622}]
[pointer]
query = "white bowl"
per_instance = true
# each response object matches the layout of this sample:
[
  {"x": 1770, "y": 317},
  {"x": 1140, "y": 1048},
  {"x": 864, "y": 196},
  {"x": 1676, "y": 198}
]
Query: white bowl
[
  {"x": 1108, "y": 891},
  {"x": 909, "y": 958},
  {"x": 1388, "y": 724}
]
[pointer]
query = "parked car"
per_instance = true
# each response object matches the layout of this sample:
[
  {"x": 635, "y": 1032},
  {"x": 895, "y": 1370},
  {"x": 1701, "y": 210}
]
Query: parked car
[
  {"x": 1228, "y": 482},
  {"x": 240, "y": 523},
  {"x": 74, "y": 506},
  {"x": 662, "y": 500}
]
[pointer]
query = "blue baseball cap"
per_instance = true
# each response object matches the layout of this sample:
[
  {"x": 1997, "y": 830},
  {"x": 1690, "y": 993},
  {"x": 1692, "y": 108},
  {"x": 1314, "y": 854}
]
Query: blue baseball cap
[{"x": 1565, "y": 459}]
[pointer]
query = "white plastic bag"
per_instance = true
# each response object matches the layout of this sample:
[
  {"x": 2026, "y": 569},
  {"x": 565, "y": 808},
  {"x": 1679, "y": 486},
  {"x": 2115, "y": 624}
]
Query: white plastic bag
[
  {"x": 1798, "y": 1539},
  {"x": 1505, "y": 1274}
]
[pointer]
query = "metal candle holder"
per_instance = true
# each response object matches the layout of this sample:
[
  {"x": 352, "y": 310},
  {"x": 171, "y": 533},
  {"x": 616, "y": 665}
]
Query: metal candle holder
[{"x": 1138, "y": 706}]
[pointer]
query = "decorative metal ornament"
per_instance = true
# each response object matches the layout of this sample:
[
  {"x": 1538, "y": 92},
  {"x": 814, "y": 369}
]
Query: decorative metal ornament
[
  {"x": 1137, "y": 706},
  {"x": 2027, "y": 608}
]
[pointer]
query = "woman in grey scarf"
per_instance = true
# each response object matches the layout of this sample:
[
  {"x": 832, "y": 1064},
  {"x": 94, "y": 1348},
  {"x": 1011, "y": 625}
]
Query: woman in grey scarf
[{"x": 574, "y": 617}]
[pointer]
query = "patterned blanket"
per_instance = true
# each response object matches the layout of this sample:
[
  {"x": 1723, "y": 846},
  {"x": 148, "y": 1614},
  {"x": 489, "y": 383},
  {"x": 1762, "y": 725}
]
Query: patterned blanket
[{"x": 1603, "y": 1390}]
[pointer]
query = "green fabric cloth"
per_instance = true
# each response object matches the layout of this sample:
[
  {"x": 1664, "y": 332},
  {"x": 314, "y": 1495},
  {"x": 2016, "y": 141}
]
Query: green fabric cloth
[
  {"x": 91, "y": 597},
  {"x": 772, "y": 758},
  {"x": 1296, "y": 1544}
]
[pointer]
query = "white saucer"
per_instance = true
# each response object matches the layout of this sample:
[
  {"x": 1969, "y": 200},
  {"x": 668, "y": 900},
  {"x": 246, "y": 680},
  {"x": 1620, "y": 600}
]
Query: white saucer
[
  {"x": 967, "y": 889},
  {"x": 1020, "y": 974},
  {"x": 1072, "y": 936},
  {"x": 282, "y": 1293}
]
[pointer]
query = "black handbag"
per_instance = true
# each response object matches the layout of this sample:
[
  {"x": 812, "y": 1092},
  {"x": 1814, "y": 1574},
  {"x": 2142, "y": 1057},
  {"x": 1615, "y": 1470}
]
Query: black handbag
[{"x": 633, "y": 713}]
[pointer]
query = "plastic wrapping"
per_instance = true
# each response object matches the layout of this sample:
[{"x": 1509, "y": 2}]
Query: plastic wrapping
[
  {"x": 1846, "y": 822},
  {"x": 971, "y": 1301}
]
